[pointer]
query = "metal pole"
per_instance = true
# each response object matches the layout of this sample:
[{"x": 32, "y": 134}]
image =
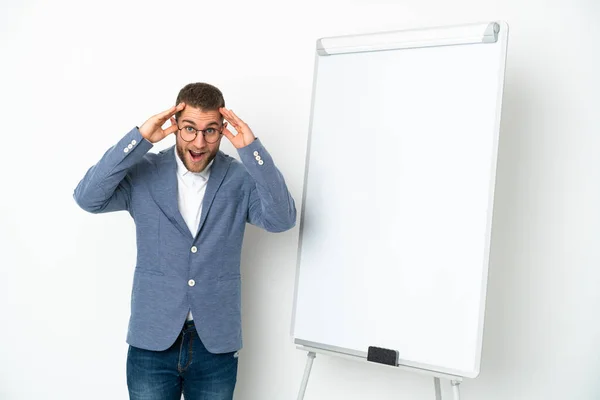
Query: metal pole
[
  {"x": 455, "y": 390},
  {"x": 309, "y": 362},
  {"x": 438, "y": 388}
]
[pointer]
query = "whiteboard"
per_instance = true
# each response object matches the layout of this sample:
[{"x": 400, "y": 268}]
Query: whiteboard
[{"x": 397, "y": 205}]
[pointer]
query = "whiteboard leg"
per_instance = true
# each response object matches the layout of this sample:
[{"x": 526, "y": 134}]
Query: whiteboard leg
[
  {"x": 455, "y": 390},
  {"x": 438, "y": 388},
  {"x": 309, "y": 363}
]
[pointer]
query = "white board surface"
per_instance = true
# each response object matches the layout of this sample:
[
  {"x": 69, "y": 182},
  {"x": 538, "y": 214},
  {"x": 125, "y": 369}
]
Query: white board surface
[{"x": 398, "y": 201}]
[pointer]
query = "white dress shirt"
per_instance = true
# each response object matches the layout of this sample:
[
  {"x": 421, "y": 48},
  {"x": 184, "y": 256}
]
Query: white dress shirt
[{"x": 191, "y": 187}]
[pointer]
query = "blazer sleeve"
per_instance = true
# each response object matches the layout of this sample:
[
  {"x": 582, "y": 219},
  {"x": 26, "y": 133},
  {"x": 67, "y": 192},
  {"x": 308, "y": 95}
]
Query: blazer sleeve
[
  {"x": 271, "y": 205},
  {"x": 106, "y": 186}
]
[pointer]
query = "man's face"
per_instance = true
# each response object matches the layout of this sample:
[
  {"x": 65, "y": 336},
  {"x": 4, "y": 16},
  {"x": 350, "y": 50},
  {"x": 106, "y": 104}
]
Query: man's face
[{"x": 198, "y": 153}]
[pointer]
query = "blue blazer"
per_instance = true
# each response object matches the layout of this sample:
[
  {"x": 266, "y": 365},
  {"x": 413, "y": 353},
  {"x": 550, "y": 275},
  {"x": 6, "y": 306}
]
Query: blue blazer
[{"x": 175, "y": 271}]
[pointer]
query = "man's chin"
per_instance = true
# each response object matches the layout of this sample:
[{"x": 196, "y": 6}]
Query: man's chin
[{"x": 195, "y": 166}]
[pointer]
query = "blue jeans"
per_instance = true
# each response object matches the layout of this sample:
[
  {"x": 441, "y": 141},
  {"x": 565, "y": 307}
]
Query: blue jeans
[{"x": 186, "y": 367}]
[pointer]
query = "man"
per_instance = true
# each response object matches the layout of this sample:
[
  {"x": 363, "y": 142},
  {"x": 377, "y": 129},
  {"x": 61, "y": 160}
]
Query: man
[{"x": 190, "y": 204}]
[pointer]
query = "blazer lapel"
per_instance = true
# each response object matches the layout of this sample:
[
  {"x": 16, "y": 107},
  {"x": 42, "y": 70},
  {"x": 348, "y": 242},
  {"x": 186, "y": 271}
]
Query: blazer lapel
[
  {"x": 217, "y": 174},
  {"x": 165, "y": 189}
]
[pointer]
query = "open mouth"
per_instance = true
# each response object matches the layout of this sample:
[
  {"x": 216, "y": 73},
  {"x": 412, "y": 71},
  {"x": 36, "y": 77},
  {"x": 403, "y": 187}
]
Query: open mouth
[{"x": 197, "y": 156}]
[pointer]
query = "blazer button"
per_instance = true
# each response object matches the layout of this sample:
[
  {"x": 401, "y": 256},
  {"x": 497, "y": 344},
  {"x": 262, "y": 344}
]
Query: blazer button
[
  {"x": 194, "y": 249},
  {"x": 255, "y": 153},
  {"x": 191, "y": 282}
]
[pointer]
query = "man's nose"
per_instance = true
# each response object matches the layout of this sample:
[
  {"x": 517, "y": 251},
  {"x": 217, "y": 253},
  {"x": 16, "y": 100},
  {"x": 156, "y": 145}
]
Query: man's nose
[{"x": 199, "y": 140}]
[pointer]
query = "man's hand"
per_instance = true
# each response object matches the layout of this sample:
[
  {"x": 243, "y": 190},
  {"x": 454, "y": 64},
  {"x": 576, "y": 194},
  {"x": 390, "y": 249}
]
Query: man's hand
[
  {"x": 152, "y": 130},
  {"x": 244, "y": 134}
]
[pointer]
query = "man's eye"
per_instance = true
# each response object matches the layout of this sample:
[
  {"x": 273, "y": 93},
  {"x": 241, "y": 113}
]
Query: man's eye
[
  {"x": 210, "y": 131},
  {"x": 190, "y": 129}
]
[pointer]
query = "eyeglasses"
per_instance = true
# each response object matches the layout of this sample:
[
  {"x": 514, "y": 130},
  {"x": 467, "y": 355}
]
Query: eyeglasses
[{"x": 189, "y": 134}]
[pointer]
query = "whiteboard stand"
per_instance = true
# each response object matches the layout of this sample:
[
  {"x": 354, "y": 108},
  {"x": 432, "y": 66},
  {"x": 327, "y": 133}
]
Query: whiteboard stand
[
  {"x": 309, "y": 362},
  {"x": 384, "y": 266},
  {"x": 455, "y": 390},
  {"x": 455, "y": 381},
  {"x": 438, "y": 388}
]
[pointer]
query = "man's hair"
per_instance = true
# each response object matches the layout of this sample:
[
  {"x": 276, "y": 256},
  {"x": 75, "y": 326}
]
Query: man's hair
[{"x": 200, "y": 95}]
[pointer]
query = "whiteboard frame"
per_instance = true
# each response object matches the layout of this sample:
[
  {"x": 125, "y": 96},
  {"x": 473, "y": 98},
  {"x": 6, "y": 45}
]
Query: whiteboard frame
[
  {"x": 362, "y": 356},
  {"x": 502, "y": 30}
]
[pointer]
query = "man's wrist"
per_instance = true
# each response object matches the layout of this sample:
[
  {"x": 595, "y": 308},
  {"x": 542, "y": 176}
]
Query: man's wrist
[{"x": 144, "y": 135}]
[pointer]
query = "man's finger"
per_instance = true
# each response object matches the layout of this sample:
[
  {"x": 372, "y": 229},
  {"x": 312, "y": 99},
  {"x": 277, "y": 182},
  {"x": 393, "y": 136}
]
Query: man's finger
[
  {"x": 171, "y": 129},
  {"x": 227, "y": 114},
  {"x": 236, "y": 118},
  {"x": 228, "y": 119},
  {"x": 224, "y": 114},
  {"x": 165, "y": 115},
  {"x": 228, "y": 134}
]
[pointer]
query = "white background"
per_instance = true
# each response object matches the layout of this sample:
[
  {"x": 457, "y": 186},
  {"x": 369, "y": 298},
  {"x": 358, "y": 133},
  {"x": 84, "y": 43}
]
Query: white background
[{"x": 76, "y": 76}]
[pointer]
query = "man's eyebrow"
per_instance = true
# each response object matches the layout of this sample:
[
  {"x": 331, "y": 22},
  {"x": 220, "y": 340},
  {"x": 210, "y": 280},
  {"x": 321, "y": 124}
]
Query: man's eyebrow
[{"x": 193, "y": 123}]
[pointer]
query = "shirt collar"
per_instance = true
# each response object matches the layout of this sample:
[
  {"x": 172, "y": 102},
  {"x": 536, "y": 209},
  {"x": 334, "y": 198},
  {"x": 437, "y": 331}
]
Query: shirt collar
[{"x": 184, "y": 172}]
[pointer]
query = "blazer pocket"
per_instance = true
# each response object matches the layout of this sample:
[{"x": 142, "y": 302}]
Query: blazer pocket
[
  {"x": 231, "y": 277},
  {"x": 149, "y": 271},
  {"x": 229, "y": 194}
]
